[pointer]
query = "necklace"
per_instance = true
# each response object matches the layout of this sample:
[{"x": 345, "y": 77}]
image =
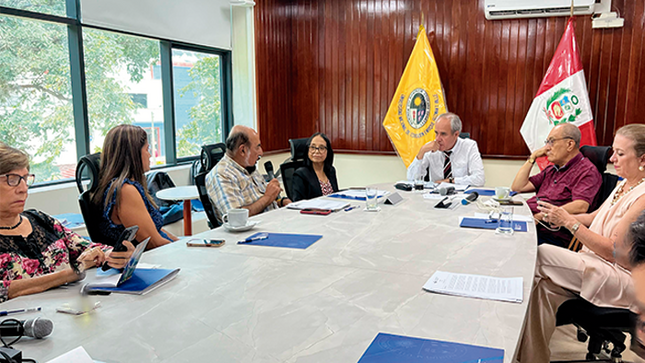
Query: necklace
[
  {"x": 619, "y": 193},
  {"x": 14, "y": 226}
]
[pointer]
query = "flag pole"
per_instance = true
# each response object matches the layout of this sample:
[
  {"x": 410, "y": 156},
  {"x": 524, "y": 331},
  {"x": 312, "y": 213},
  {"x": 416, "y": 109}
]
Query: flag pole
[{"x": 571, "y": 9}]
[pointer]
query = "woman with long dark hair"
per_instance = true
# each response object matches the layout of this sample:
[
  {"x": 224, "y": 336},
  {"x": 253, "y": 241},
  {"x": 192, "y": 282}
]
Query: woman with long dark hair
[
  {"x": 122, "y": 193},
  {"x": 318, "y": 176}
]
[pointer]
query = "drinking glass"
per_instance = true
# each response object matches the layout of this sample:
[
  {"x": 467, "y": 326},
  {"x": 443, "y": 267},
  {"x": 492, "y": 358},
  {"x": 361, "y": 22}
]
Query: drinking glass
[
  {"x": 370, "y": 199},
  {"x": 505, "y": 224}
]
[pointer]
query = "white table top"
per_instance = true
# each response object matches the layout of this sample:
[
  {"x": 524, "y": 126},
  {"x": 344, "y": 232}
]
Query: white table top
[
  {"x": 243, "y": 303},
  {"x": 179, "y": 193}
]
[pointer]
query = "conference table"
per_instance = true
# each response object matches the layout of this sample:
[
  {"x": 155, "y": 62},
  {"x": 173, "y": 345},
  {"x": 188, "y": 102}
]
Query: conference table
[{"x": 326, "y": 303}]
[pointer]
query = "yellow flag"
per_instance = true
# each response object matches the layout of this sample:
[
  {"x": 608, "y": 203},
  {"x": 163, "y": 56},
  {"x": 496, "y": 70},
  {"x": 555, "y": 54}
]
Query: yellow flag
[{"x": 418, "y": 100}]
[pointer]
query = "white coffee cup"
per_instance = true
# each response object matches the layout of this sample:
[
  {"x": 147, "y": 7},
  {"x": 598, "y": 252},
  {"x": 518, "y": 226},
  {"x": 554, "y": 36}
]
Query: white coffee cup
[
  {"x": 502, "y": 192},
  {"x": 236, "y": 217}
]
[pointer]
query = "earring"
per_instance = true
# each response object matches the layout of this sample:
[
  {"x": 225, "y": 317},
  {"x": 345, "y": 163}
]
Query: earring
[{"x": 641, "y": 168}]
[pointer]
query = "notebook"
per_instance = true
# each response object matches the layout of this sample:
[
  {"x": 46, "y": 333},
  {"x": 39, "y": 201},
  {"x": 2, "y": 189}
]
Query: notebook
[
  {"x": 387, "y": 348},
  {"x": 132, "y": 280}
]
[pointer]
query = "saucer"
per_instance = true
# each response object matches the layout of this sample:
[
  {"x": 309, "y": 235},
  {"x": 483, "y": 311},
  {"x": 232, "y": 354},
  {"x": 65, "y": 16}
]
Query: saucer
[
  {"x": 501, "y": 199},
  {"x": 249, "y": 225}
]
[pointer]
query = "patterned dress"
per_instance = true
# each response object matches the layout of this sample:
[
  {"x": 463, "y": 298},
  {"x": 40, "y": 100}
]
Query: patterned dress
[{"x": 49, "y": 248}]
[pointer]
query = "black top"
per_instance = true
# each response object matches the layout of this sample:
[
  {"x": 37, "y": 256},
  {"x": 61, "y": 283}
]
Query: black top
[{"x": 306, "y": 185}]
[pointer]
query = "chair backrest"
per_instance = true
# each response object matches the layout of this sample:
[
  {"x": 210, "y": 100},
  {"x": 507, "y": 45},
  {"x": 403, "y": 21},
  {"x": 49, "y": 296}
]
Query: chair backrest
[
  {"x": 288, "y": 169},
  {"x": 598, "y": 155},
  {"x": 211, "y": 155},
  {"x": 88, "y": 168},
  {"x": 200, "y": 182},
  {"x": 299, "y": 150}
]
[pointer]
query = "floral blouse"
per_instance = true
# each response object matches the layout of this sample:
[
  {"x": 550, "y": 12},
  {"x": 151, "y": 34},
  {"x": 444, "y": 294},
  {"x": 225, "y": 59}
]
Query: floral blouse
[{"x": 49, "y": 248}]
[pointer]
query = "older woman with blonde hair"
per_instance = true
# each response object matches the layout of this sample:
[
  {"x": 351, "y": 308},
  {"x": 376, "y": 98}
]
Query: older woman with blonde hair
[
  {"x": 600, "y": 272},
  {"x": 122, "y": 194},
  {"x": 36, "y": 252}
]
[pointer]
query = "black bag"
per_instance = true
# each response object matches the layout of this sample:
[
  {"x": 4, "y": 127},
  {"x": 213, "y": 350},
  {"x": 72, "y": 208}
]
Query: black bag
[{"x": 171, "y": 211}]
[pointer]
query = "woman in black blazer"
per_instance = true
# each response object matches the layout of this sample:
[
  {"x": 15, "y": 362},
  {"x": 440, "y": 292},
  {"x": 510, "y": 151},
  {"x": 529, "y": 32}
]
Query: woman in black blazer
[{"x": 318, "y": 176}]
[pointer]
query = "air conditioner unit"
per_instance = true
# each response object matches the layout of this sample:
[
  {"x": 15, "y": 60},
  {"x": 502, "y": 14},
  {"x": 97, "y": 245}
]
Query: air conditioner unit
[{"x": 513, "y": 9}]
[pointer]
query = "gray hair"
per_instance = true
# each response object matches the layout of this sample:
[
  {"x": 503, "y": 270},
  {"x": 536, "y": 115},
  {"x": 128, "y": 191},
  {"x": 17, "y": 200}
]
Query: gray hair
[
  {"x": 235, "y": 139},
  {"x": 571, "y": 131},
  {"x": 455, "y": 121}
]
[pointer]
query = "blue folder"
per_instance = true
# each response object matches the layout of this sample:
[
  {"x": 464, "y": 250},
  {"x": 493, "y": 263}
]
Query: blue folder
[
  {"x": 70, "y": 220},
  {"x": 387, "y": 348},
  {"x": 288, "y": 240},
  {"x": 142, "y": 281},
  {"x": 518, "y": 226},
  {"x": 342, "y": 196},
  {"x": 486, "y": 192}
]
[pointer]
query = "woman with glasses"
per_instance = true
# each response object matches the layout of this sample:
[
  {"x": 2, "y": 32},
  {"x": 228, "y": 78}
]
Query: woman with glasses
[
  {"x": 36, "y": 252},
  {"x": 122, "y": 193},
  {"x": 318, "y": 176},
  {"x": 600, "y": 271}
]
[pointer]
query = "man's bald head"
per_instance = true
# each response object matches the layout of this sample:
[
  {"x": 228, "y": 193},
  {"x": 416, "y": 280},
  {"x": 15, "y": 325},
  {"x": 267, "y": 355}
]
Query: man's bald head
[{"x": 571, "y": 131}]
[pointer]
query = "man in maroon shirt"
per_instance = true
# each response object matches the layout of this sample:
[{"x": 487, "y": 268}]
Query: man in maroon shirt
[{"x": 572, "y": 182}]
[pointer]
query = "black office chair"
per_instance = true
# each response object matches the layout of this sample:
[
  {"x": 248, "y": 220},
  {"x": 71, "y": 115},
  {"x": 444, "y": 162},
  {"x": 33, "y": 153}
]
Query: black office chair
[
  {"x": 602, "y": 326},
  {"x": 299, "y": 152},
  {"x": 599, "y": 156},
  {"x": 88, "y": 168},
  {"x": 211, "y": 155}
]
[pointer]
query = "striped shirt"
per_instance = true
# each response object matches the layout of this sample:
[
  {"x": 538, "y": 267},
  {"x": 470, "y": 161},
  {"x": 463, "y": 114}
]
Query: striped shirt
[{"x": 230, "y": 186}]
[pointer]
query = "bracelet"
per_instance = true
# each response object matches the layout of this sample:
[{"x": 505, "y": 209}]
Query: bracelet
[{"x": 574, "y": 228}]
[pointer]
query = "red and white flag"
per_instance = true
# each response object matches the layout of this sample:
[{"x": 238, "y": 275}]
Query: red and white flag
[{"x": 562, "y": 97}]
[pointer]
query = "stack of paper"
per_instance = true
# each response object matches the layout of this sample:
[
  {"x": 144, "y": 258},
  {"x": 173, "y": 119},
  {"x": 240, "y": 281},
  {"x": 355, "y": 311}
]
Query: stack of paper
[
  {"x": 357, "y": 194},
  {"x": 319, "y": 203},
  {"x": 477, "y": 286}
]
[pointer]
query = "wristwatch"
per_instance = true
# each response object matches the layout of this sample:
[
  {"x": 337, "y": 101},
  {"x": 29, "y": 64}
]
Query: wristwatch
[
  {"x": 530, "y": 160},
  {"x": 574, "y": 228}
]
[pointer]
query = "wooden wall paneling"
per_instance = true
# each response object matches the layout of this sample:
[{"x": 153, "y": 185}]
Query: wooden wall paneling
[{"x": 334, "y": 65}]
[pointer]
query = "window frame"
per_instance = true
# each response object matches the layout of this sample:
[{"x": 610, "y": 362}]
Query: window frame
[{"x": 79, "y": 88}]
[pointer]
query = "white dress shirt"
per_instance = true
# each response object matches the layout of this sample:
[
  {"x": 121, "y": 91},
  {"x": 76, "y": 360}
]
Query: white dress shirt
[{"x": 467, "y": 165}]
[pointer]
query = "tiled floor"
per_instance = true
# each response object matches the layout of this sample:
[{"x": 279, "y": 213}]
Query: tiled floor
[{"x": 565, "y": 346}]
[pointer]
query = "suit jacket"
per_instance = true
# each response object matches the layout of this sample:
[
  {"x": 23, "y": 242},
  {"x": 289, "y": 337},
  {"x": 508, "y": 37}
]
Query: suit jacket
[{"x": 306, "y": 185}]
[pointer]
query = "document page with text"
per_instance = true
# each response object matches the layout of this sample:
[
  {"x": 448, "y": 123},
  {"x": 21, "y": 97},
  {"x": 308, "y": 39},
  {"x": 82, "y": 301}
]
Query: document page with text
[{"x": 477, "y": 286}]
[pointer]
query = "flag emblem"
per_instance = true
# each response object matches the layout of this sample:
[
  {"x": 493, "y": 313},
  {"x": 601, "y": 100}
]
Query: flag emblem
[{"x": 562, "y": 107}]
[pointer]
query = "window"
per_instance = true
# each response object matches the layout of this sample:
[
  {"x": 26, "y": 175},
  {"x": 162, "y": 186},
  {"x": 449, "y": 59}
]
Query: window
[
  {"x": 198, "y": 102},
  {"x": 52, "y": 7},
  {"x": 64, "y": 84},
  {"x": 35, "y": 95},
  {"x": 122, "y": 87}
]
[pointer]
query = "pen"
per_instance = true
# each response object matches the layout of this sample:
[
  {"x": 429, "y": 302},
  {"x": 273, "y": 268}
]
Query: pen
[
  {"x": 256, "y": 238},
  {"x": 350, "y": 208},
  {"x": 15, "y": 311}
]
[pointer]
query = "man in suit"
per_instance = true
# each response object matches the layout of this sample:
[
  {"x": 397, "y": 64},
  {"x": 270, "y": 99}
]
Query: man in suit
[{"x": 449, "y": 158}]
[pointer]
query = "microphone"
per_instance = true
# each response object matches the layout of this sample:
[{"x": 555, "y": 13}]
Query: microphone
[
  {"x": 268, "y": 166},
  {"x": 470, "y": 198},
  {"x": 34, "y": 328},
  {"x": 446, "y": 190}
]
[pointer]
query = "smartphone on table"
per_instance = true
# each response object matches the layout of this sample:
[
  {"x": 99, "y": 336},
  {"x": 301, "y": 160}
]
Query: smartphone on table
[
  {"x": 205, "y": 243},
  {"x": 127, "y": 235},
  {"x": 322, "y": 212}
]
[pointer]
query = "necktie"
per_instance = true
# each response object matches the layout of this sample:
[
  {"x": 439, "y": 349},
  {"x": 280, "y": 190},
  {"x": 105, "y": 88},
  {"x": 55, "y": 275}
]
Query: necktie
[{"x": 447, "y": 165}]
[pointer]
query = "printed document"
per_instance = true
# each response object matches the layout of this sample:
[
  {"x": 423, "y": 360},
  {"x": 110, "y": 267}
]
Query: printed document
[
  {"x": 319, "y": 203},
  {"x": 477, "y": 286}
]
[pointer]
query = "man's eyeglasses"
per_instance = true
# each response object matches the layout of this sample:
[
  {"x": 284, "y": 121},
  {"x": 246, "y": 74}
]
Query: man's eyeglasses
[
  {"x": 552, "y": 141},
  {"x": 320, "y": 149},
  {"x": 13, "y": 180}
]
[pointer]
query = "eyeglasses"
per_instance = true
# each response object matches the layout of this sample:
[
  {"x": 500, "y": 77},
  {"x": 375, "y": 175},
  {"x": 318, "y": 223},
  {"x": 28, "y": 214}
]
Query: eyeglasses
[
  {"x": 552, "y": 141},
  {"x": 320, "y": 149},
  {"x": 13, "y": 180}
]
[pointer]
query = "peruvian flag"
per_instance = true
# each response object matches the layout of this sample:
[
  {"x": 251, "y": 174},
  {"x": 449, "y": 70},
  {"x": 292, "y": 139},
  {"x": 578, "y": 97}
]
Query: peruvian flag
[{"x": 562, "y": 97}]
